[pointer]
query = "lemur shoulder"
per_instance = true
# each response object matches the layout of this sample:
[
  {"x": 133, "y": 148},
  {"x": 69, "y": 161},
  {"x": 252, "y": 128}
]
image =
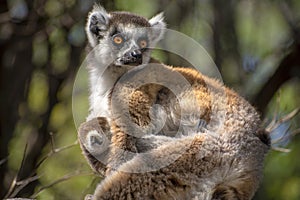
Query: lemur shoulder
[{"x": 208, "y": 134}]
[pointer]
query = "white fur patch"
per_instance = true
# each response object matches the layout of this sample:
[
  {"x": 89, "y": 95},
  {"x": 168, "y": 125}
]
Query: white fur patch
[{"x": 159, "y": 26}]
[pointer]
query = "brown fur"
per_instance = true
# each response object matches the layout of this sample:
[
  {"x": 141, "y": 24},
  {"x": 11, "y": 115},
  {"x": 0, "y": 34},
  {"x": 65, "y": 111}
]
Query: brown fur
[
  {"x": 237, "y": 151},
  {"x": 221, "y": 160},
  {"x": 128, "y": 18}
]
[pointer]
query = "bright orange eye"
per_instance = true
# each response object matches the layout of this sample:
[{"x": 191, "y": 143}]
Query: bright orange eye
[
  {"x": 118, "y": 40},
  {"x": 143, "y": 44}
]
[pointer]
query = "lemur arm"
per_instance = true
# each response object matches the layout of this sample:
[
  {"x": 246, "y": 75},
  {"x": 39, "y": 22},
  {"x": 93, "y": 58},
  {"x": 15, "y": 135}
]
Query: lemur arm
[
  {"x": 95, "y": 142},
  {"x": 93, "y": 137},
  {"x": 105, "y": 144}
]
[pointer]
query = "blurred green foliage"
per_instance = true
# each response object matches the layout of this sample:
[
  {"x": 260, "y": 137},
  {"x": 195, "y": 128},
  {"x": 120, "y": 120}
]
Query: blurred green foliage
[{"x": 262, "y": 33}]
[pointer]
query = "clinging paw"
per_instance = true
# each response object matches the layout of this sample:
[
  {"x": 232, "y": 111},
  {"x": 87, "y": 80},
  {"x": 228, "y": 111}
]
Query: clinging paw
[
  {"x": 95, "y": 135},
  {"x": 89, "y": 197},
  {"x": 96, "y": 143},
  {"x": 94, "y": 138}
]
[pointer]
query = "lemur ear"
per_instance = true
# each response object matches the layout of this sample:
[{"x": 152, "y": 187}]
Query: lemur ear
[
  {"x": 97, "y": 22},
  {"x": 158, "y": 24}
]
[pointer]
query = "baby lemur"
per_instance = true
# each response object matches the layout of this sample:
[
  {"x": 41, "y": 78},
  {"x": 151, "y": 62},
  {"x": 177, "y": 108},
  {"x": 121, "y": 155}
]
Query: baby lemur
[{"x": 162, "y": 132}]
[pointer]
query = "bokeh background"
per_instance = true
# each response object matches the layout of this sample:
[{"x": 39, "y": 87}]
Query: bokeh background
[{"x": 255, "y": 44}]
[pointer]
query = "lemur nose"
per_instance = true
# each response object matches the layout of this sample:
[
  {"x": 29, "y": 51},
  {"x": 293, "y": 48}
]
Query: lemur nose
[{"x": 136, "y": 53}]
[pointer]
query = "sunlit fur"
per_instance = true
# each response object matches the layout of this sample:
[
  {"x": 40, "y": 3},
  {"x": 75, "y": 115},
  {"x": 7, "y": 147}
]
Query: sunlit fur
[
  {"x": 222, "y": 159},
  {"x": 107, "y": 54}
]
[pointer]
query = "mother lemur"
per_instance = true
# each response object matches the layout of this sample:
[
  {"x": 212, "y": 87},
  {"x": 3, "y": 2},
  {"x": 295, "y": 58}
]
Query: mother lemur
[{"x": 203, "y": 142}]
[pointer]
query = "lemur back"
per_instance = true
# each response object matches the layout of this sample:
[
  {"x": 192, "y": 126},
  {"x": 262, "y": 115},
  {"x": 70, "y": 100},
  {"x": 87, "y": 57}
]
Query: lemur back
[{"x": 203, "y": 141}]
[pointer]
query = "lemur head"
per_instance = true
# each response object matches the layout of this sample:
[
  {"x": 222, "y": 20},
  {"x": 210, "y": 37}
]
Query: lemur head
[{"x": 121, "y": 37}]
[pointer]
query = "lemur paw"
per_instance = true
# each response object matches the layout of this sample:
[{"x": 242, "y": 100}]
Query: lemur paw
[
  {"x": 94, "y": 138},
  {"x": 88, "y": 197},
  {"x": 95, "y": 135}
]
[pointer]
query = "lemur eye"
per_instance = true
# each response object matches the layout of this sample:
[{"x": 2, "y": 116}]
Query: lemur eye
[
  {"x": 143, "y": 43},
  {"x": 118, "y": 39}
]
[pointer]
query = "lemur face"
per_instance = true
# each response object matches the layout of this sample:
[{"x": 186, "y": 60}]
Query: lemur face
[
  {"x": 123, "y": 38},
  {"x": 127, "y": 43}
]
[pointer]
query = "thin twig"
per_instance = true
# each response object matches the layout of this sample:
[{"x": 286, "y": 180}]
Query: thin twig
[
  {"x": 4, "y": 160},
  {"x": 11, "y": 187},
  {"x": 13, "y": 183},
  {"x": 21, "y": 184},
  {"x": 62, "y": 179},
  {"x": 284, "y": 150},
  {"x": 295, "y": 132},
  {"x": 276, "y": 112},
  {"x": 55, "y": 151},
  {"x": 273, "y": 125},
  {"x": 284, "y": 136},
  {"x": 289, "y": 116}
]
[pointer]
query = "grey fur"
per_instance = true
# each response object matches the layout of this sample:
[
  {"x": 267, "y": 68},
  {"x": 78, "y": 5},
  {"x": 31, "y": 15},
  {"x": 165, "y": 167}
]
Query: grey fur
[{"x": 209, "y": 147}]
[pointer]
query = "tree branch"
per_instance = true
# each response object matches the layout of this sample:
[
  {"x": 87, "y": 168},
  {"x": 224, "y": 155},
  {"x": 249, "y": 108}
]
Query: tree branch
[{"x": 286, "y": 70}]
